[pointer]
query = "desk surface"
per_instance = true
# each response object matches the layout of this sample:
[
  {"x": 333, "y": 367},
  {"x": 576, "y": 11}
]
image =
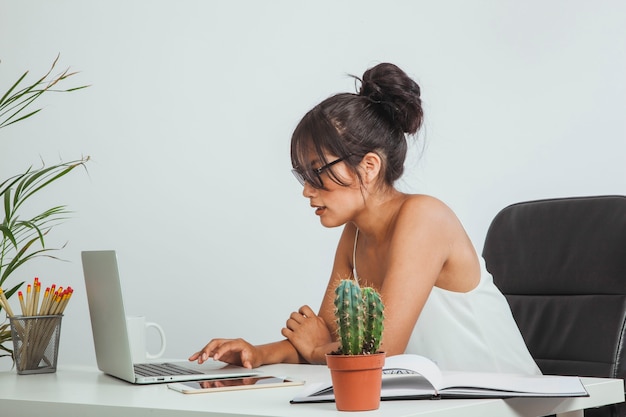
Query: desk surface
[{"x": 81, "y": 391}]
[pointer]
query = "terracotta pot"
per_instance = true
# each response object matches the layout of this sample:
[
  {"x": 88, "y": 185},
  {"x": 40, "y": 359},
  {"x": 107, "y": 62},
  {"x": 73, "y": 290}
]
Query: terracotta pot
[{"x": 357, "y": 380}]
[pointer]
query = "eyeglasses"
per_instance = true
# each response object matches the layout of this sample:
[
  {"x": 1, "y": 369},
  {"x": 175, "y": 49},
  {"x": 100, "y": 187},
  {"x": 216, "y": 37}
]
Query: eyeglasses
[{"x": 316, "y": 180}]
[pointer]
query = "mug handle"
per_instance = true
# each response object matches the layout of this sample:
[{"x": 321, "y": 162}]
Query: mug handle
[{"x": 162, "y": 335}]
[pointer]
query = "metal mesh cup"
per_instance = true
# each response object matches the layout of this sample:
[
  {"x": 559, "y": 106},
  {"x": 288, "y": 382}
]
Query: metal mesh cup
[{"x": 35, "y": 343}]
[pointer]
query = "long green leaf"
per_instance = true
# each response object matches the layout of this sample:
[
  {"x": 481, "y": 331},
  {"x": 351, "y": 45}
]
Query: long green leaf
[
  {"x": 7, "y": 205},
  {"x": 11, "y": 181},
  {"x": 38, "y": 179},
  {"x": 7, "y": 233},
  {"x": 18, "y": 103},
  {"x": 40, "y": 80},
  {"x": 13, "y": 87},
  {"x": 12, "y": 291},
  {"x": 35, "y": 228},
  {"x": 26, "y": 116},
  {"x": 15, "y": 101},
  {"x": 19, "y": 259},
  {"x": 23, "y": 230}
]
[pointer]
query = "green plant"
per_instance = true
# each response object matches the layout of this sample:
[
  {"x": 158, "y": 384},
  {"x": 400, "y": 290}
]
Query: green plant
[
  {"x": 359, "y": 313},
  {"x": 23, "y": 239}
]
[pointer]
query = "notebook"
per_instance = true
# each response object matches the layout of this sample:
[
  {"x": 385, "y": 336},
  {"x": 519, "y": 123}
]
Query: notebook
[{"x": 110, "y": 337}]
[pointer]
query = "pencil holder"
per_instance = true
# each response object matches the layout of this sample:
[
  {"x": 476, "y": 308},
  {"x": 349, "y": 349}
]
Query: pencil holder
[{"x": 35, "y": 343}]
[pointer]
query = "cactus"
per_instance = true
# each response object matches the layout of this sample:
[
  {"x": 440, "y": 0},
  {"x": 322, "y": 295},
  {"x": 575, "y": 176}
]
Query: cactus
[
  {"x": 359, "y": 314},
  {"x": 374, "y": 314}
]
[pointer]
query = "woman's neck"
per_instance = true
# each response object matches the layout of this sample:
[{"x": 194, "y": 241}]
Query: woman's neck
[{"x": 379, "y": 213}]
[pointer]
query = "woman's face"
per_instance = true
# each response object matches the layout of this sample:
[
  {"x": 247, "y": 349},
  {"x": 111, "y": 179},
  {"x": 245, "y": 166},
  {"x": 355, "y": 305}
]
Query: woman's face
[{"x": 336, "y": 204}]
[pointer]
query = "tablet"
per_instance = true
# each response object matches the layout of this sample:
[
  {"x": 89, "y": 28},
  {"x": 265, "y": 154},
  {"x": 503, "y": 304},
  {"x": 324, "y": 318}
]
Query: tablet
[{"x": 231, "y": 384}]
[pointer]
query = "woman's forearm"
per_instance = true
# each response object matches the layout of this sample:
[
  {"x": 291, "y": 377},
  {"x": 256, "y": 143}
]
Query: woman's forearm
[
  {"x": 279, "y": 352},
  {"x": 284, "y": 352}
]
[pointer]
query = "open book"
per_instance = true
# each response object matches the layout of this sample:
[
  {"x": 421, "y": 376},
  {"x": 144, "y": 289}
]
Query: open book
[{"x": 416, "y": 377}]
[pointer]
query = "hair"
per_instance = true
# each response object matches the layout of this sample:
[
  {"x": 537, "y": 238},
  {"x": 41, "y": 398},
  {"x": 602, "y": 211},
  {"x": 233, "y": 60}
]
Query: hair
[{"x": 378, "y": 119}]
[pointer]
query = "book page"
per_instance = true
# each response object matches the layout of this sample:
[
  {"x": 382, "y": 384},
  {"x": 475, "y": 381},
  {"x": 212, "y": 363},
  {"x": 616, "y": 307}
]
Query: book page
[
  {"x": 425, "y": 367},
  {"x": 535, "y": 385},
  {"x": 409, "y": 386}
]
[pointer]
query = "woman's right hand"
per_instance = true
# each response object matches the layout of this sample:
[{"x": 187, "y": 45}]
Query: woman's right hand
[
  {"x": 308, "y": 333},
  {"x": 232, "y": 351}
]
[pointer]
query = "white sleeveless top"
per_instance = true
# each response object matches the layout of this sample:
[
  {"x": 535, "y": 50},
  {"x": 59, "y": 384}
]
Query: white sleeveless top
[{"x": 472, "y": 331}]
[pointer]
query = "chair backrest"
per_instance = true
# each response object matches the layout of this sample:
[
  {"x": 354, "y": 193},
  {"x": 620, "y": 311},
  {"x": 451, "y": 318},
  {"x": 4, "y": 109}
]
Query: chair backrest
[{"x": 561, "y": 263}]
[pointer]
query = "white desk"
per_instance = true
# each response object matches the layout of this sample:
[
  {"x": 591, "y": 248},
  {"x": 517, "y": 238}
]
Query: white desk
[{"x": 82, "y": 391}]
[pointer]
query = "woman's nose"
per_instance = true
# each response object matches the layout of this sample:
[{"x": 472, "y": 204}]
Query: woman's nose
[{"x": 308, "y": 191}]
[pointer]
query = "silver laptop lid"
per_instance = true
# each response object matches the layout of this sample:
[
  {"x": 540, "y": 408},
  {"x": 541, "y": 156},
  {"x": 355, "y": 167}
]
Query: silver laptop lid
[{"x": 108, "y": 317}]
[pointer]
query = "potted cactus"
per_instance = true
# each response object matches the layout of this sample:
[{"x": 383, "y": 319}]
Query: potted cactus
[{"x": 356, "y": 367}]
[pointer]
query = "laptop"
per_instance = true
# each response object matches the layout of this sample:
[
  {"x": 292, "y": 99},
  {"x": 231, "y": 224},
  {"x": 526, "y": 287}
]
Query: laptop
[{"x": 110, "y": 336}]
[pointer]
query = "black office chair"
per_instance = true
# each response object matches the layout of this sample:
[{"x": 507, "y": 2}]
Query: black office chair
[{"x": 561, "y": 263}]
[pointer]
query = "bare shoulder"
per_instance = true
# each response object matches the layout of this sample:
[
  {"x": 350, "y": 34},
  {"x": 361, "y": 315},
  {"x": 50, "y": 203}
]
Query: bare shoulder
[
  {"x": 424, "y": 200},
  {"x": 426, "y": 207},
  {"x": 430, "y": 228},
  {"x": 428, "y": 218}
]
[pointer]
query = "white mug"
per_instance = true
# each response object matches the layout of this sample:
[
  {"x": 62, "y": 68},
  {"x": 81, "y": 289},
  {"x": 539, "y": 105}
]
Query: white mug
[{"x": 137, "y": 327}]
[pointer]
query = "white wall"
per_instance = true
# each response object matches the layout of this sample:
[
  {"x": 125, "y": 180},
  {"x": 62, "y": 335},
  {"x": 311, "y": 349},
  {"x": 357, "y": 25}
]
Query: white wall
[{"x": 191, "y": 109}]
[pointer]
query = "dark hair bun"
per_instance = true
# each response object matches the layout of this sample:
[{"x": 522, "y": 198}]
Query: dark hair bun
[{"x": 396, "y": 93}]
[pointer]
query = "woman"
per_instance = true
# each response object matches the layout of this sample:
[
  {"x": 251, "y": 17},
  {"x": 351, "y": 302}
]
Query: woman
[{"x": 439, "y": 300}]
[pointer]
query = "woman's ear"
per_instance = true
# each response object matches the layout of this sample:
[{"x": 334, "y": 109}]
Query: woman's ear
[{"x": 371, "y": 165}]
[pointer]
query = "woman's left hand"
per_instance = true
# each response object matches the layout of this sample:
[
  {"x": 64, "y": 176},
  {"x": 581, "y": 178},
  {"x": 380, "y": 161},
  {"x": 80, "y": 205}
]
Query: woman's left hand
[{"x": 308, "y": 333}]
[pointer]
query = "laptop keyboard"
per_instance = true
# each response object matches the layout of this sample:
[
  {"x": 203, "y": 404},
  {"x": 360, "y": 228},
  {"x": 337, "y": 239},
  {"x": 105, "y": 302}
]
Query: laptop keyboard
[{"x": 162, "y": 369}]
